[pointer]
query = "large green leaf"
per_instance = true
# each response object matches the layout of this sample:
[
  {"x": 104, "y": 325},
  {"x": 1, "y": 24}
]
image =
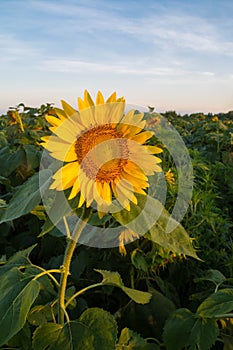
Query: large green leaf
[
  {"x": 28, "y": 196},
  {"x": 217, "y": 304},
  {"x": 71, "y": 336},
  {"x": 22, "y": 340},
  {"x": 10, "y": 161},
  {"x": 204, "y": 334},
  {"x": 149, "y": 215},
  {"x": 183, "y": 330},
  {"x": 177, "y": 329},
  {"x": 17, "y": 296},
  {"x": 96, "y": 329},
  {"x": 103, "y": 327},
  {"x": 211, "y": 275},
  {"x": 114, "y": 279},
  {"x": 19, "y": 259},
  {"x": 32, "y": 156}
]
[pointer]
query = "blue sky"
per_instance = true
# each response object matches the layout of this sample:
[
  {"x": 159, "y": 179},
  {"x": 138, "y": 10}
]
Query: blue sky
[{"x": 174, "y": 55}]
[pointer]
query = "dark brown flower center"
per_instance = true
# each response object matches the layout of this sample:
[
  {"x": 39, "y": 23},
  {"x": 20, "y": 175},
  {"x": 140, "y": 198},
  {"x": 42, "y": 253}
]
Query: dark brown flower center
[{"x": 102, "y": 152}]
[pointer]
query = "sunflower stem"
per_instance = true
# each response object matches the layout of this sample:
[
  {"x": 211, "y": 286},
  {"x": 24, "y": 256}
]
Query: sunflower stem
[{"x": 65, "y": 268}]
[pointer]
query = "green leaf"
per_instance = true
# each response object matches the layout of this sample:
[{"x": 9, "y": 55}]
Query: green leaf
[
  {"x": 40, "y": 314},
  {"x": 10, "y": 161},
  {"x": 17, "y": 296},
  {"x": 111, "y": 278},
  {"x": 32, "y": 156},
  {"x": 52, "y": 336},
  {"x": 103, "y": 327},
  {"x": 177, "y": 329},
  {"x": 22, "y": 340},
  {"x": 138, "y": 260},
  {"x": 19, "y": 259},
  {"x": 137, "y": 295},
  {"x": 204, "y": 334},
  {"x": 130, "y": 340},
  {"x": 217, "y": 304},
  {"x": 149, "y": 215},
  {"x": 96, "y": 329},
  {"x": 28, "y": 196},
  {"x": 114, "y": 279},
  {"x": 183, "y": 330},
  {"x": 214, "y": 276}
]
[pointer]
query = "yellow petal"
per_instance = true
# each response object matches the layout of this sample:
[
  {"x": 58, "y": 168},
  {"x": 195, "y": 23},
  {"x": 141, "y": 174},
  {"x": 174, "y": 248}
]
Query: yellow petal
[
  {"x": 81, "y": 201},
  {"x": 136, "y": 182},
  {"x": 53, "y": 120},
  {"x": 99, "y": 98},
  {"x": 60, "y": 113},
  {"x": 143, "y": 136},
  {"x": 134, "y": 119},
  {"x": 101, "y": 213},
  {"x": 88, "y": 99},
  {"x": 89, "y": 193},
  {"x": 121, "y": 99},
  {"x": 112, "y": 98},
  {"x": 65, "y": 155},
  {"x": 68, "y": 130},
  {"x": 75, "y": 189},
  {"x": 133, "y": 169},
  {"x": 147, "y": 163},
  {"x": 54, "y": 143},
  {"x": 87, "y": 117},
  {"x": 122, "y": 249},
  {"x": 154, "y": 149},
  {"x": 68, "y": 109},
  {"x": 106, "y": 192},
  {"x": 81, "y": 104},
  {"x": 129, "y": 130},
  {"x": 123, "y": 191},
  {"x": 65, "y": 176},
  {"x": 116, "y": 112},
  {"x": 103, "y": 114}
]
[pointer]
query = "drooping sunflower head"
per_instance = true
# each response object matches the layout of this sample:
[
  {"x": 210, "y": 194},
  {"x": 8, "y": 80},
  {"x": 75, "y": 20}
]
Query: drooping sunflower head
[{"x": 106, "y": 159}]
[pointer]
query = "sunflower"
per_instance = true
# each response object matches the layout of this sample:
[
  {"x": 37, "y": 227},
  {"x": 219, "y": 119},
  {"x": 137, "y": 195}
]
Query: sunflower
[
  {"x": 106, "y": 159},
  {"x": 169, "y": 176}
]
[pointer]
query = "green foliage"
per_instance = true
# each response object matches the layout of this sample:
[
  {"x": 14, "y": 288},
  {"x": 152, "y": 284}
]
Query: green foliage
[
  {"x": 156, "y": 225},
  {"x": 28, "y": 196},
  {"x": 18, "y": 293},
  {"x": 95, "y": 329},
  {"x": 217, "y": 304},
  {"x": 177, "y": 302},
  {"x": 183, "y": 330},
  {"x": 130, "y": 340},
  {"x": 114, "y": 279}
]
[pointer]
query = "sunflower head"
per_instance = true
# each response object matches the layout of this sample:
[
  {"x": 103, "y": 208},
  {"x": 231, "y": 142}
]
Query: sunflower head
[
  {"x": 170, "y": 177},
  {"x": 106, "y": 158}
]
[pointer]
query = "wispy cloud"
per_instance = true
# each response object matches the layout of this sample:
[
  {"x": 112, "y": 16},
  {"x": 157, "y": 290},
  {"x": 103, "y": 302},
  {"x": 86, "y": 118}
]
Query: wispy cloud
[
  {"x": 74, "y": 66},
  {"x": 13, "y": 49},
  {"x": 66, "y": 65},
  {"x": 176, "y": 29}
]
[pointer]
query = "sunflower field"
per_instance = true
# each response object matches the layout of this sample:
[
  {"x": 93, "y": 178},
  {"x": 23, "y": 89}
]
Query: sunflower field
[{"x": 145, "y": 287}]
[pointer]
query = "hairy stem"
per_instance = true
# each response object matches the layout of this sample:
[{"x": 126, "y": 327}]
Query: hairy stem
[{"x": 65, "y": 268}]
